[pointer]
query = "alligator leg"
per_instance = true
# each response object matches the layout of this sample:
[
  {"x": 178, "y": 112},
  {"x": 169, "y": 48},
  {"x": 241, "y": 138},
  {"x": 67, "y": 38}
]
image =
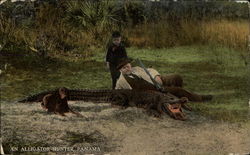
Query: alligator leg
[{"x": 152, "y": 111}]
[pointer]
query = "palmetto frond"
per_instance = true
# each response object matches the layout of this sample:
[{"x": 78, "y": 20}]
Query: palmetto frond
[{"x": 89, "y": 14}]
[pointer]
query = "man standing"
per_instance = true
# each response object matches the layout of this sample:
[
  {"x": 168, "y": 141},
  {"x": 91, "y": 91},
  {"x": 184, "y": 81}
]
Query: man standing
[{"x": 116, "y": 51}]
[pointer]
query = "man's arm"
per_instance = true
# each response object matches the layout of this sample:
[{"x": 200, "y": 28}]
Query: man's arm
[
  {"x": 124, "y": 52},
  {"x": 108, "y": 58},
  {"x": 158, "y": 79},
  {"x": 156, "y": 75}
]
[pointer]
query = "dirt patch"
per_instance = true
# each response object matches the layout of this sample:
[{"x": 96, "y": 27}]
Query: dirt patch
[{"x": 116, "y": 131}]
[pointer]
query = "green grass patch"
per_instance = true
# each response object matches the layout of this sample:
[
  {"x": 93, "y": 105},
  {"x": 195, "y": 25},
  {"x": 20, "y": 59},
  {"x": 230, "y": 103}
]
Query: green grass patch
[{"x": 205, "y": 69}]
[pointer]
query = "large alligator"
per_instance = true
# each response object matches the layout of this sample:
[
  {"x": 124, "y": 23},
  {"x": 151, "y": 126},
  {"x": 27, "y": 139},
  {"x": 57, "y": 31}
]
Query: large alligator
[{"x": 154, "y": 102}]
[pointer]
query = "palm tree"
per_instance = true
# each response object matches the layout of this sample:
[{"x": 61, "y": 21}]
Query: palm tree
[{"x": 94, "y": 16}]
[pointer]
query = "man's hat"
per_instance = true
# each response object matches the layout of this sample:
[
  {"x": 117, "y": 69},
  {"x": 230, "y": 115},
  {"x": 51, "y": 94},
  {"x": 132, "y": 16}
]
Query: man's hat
[{"x": 123, "y": 62}]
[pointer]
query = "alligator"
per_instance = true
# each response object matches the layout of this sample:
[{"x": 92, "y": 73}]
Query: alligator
[
  {"x": 97, "y": 96},
  {"x": 155, "y": 103}
]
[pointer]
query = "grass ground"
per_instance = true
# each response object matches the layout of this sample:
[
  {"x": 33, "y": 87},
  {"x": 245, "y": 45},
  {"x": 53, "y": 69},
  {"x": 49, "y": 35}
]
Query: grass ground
[{"x": 206, "y": 70}]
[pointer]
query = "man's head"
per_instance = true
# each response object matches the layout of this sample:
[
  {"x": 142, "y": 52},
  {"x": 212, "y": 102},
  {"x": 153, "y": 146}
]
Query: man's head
[
  {"x": 124, "y": 66},
  {"x": 116, "y": 38},
  {"x": 126, "y": 69}
]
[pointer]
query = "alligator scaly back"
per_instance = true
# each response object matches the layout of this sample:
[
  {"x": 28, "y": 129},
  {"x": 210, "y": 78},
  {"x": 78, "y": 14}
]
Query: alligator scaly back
[
  {"x": 75, "y": 94},
  {"x": 37, "y": 97},
  {"x": 155, "y": 102},
  {"x": 101, "y": 95}
]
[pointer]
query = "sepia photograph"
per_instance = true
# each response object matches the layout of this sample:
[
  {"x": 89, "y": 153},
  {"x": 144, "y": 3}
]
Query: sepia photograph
[{"x": 125, "y": 77}]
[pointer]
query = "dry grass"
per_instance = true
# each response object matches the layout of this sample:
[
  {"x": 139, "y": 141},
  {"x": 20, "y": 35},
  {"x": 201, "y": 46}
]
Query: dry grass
[
  {"x": 116, "y": 131},
  {"x": 60, "y": 38},
  {"x": 231, "y": 34},
  {"x": 52, "y": 34}
]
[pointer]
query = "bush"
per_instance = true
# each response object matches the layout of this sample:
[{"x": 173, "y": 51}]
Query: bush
[
  {"x": 96, "y": 17},
  {"x": 80, "y": 27}
]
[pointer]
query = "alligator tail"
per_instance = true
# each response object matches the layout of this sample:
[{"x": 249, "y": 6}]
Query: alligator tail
[
  {"x": 37, "y": 97},
  {"x": 75, "y": 94}
]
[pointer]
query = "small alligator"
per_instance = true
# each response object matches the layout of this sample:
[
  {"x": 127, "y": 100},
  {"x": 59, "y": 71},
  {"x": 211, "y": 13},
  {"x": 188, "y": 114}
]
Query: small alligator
[{"x": 154, "y": 102}]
